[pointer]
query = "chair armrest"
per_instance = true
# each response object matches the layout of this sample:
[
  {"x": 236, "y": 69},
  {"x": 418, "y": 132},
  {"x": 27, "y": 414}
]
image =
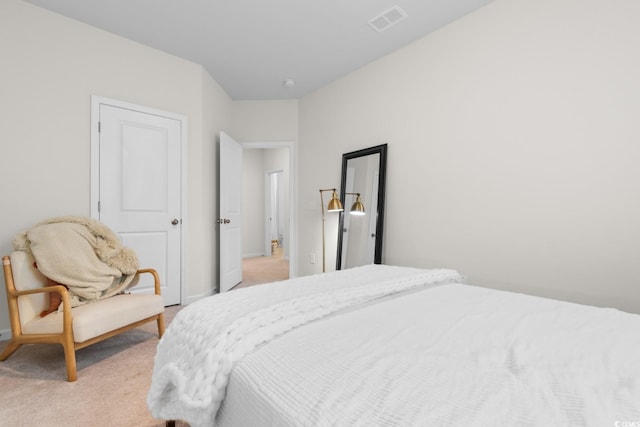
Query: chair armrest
[
  {"x": 156, "y": 278},
  {"x": 66, "y": 301},
  {"x": 57, "y": 288}
]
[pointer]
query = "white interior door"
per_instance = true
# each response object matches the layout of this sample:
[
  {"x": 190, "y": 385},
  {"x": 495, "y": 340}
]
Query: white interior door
[
  {"x": 230, "y": 219},
  {"x": 140, "y": 190}
]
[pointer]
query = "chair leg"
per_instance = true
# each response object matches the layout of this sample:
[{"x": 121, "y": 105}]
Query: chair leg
[
  {"x": 160, "y": 324},
  {"x": 9, "y": 350},
  {"x": 70, "y": 360}
]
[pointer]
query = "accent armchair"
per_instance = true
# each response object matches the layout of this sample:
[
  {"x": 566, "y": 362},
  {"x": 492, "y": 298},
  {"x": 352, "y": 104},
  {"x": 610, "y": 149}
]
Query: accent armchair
[{"x": 74, "y": 328}]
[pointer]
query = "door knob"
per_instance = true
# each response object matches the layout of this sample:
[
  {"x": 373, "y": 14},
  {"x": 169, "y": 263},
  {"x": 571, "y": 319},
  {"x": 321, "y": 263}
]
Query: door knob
[
  {"x": 223, "y": 221},
  {"x": 227, "y": 221},
  {"x": 175, "y": 221}
]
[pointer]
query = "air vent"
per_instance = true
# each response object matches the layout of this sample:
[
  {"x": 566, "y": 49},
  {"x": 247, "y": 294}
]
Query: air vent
[{"x": 388, "y": 18}]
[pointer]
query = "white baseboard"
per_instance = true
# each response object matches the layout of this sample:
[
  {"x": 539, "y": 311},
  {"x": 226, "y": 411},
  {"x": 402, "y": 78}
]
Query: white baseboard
[
  {"x": 5, "y": 334},
  {"x": 194, "y": 298},
  {"x": 257, "y": 254}
]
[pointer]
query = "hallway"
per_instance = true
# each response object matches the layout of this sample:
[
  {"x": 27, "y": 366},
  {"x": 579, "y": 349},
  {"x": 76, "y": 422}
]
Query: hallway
[{"x": 262, "y": 269}]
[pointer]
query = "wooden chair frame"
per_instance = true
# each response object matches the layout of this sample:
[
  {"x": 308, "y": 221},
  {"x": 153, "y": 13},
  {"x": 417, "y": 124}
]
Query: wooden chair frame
[{"x": 66, "y": 336}]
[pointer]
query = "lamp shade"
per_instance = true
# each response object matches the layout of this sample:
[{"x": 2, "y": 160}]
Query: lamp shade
[
  {"x": 334, "y": 204},
  {"x": 357, "y": 208}
]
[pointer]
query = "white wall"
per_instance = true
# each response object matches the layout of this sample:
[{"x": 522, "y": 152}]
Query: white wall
[
  {"x": 513, "y": 135},
  {"x": 50, "y": 67},
  {"x": 264, "y": 121}
]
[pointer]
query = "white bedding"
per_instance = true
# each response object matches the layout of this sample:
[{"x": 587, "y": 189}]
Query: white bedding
[
  {"x": 205, "y": 340},
  {"x": 454, "y": 355}
]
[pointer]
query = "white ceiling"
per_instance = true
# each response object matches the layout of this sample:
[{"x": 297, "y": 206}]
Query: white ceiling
[{"x": 250, "y": 47}]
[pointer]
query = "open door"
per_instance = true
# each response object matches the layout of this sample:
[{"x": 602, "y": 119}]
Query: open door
[{"x": 230, "y": 220}]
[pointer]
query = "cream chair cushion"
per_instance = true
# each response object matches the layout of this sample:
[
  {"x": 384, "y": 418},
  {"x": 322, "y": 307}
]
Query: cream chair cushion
[{"x": 97, "y": 318}]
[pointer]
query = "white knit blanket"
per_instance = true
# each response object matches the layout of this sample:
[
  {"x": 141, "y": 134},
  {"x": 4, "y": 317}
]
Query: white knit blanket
[{"x": 207, "y": 338}]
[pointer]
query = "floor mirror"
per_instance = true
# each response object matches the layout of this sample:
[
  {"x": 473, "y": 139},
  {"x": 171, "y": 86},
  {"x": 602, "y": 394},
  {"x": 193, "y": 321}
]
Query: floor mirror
[{"x": 362, "y": 195}]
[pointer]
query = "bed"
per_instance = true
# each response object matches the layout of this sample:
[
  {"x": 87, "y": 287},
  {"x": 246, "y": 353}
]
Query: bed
[{"x": 395, "y": 346}]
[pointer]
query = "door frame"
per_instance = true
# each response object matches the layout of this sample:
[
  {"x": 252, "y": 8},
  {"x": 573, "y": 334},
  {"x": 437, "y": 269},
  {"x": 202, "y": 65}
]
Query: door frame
[
  {"x": 96, "y": 102},
  {"x": 293, "y": 218}
]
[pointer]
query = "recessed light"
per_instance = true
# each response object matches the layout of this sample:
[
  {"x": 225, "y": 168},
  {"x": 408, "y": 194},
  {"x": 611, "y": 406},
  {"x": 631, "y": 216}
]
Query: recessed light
[{"x": 289, "y": 83}]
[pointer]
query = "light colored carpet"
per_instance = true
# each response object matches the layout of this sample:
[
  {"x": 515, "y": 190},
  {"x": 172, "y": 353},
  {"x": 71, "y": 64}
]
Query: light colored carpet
[
  {"x": 264, "y": 269},
  {"x": 113, "y": 379},
  {"x": 113, "y": 375}
]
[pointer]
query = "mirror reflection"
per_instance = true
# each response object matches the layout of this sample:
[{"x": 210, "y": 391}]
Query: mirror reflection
[{"x": 362, "y": 195}]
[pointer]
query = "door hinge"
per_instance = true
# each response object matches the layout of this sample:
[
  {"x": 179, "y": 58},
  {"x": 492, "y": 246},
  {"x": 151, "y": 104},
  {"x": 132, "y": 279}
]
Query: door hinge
[
  {"x": 99, "y": 205},
  {"x": 99, "y": 127}
]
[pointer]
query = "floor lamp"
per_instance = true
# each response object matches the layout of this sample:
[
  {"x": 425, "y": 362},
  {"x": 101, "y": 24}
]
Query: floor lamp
[{"x": 334, "y": 206}]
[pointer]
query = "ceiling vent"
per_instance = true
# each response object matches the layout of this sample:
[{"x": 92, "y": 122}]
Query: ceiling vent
[{"x": 388, "y": 18}]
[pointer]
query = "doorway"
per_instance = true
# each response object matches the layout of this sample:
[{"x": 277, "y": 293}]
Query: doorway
[{"x": 268, "y": 213}]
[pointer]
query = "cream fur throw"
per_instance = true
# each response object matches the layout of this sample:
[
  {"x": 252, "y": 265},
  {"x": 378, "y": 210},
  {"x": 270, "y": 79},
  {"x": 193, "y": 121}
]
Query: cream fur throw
[{"x": 81, "y": 253}]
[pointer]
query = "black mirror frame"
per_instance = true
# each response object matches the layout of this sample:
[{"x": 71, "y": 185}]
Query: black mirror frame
[{"x": 378, "y": 149}]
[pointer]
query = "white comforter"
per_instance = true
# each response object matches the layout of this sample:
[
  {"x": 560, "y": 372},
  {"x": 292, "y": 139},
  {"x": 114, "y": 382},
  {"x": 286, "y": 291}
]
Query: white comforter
[
  {"x": 204, "y": 342},
  {"x": 454, "y": 355}
]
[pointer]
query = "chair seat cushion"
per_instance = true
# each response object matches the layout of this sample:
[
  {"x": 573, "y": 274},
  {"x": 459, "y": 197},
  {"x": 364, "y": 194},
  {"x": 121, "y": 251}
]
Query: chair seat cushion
[{"x": 96, "y": 318}]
